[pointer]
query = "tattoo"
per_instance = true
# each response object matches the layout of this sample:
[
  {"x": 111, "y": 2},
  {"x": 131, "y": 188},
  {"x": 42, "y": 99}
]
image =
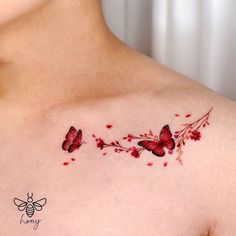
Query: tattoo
[
  {"x": 30, "y": 207},
  {"x": 148, "y": 141},
  {"x": 109, "y": 126},
  {"x": 191, "y": 131},
  {"x": 162, "y": 145},
  {"x": 157, "y": 144},
  {"x": 73, "y": 141}
]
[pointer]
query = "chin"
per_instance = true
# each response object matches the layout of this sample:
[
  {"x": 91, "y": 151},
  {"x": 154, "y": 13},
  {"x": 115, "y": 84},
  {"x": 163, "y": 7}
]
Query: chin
[{"x": 10, "y": 10}]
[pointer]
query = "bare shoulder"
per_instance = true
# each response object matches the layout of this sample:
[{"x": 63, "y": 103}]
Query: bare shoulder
[
  {"x": 180, "y": 95},
  {"x": 209, "y": 155}
]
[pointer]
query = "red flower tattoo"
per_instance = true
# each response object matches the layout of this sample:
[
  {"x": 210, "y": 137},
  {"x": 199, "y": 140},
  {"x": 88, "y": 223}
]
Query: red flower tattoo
[
  {"x": 134, "y": 152},
  {"x": 100, "y": 143},
  {"x": 190, "y": 131},
  {"x": 195, "y": 135}
]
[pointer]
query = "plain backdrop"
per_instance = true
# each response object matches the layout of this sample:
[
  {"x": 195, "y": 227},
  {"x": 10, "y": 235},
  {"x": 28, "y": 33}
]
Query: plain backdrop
[{"x": 194, "y": 37}]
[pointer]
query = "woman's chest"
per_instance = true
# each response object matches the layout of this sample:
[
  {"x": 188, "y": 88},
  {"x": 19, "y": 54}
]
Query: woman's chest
[{"x": 92, "y": 196}]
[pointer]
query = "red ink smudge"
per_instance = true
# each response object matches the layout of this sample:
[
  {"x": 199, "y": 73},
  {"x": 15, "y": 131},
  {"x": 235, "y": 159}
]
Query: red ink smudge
[
  {"x": 165, "y": 164},
  {"x": 150, "y": 164},
  {"x": 66, "y": 163},
  {"x": 188, "y": 115},
  {"x": 73, "y": 159},
  {"x": 109, "y": 126},
  {"x": 177, "y": 115},
  {"x": 104, "y": 154}
]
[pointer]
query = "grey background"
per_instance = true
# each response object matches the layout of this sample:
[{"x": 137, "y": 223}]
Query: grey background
[{"x": 210, "y": 51}]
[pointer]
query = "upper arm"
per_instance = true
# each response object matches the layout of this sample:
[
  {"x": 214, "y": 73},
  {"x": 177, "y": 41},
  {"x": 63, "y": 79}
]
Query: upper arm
[{"x": 222, "y": 170}]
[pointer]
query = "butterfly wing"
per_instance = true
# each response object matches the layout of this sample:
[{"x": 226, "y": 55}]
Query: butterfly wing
[
  {"x": 38, "y": 205},
  {"x": 78, "y": 139},
  {"x": 76, "y": 142},
  {"x": 66, "y": 144},
  {"x": 71, "y": 134},
  {"x": 170, "y": 144},
  {"x": 155, "y": 147},
  {"x": 69, "y": 138},
  {"x": 166, "y": 138},
  {"x": 20, "y": 204}
]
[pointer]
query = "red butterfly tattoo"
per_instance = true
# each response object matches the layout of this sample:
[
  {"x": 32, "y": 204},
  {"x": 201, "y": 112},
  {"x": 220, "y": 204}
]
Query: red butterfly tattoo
[
  {"x": 73, "y": 140},
  {"x": 157, "y": 146}
]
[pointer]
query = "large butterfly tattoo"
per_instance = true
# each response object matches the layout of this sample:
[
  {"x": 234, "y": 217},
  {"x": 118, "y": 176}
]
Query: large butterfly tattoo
[{"x": 157, "y": 147}]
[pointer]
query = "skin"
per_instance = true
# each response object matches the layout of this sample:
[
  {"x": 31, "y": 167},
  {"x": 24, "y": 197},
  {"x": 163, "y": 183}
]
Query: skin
[
  {"x": 11, "y": 10},
  {"x": 61, "y": 66}
]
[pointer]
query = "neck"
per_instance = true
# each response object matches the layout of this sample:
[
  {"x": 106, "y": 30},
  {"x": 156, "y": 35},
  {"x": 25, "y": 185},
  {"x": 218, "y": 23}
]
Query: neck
[{"x": 55, "y": 54}]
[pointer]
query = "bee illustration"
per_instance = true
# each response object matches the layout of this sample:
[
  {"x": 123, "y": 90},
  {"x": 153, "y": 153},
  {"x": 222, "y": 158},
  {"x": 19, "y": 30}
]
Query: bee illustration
[{"x": 30, "y": 206}]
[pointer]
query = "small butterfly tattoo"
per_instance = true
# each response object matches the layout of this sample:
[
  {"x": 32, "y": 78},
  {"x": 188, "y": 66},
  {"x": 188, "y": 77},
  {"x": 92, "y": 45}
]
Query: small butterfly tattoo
[{"x": 73, "y": 140}]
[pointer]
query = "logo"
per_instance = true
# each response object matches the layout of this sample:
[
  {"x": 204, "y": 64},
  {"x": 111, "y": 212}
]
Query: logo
[{"x": 30, "y": 207}]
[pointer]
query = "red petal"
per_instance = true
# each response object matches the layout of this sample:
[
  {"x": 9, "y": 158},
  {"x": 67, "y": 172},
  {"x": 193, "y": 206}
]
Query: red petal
[
  {"x": 150, "y": 164},
  {"x": 109, "y": 126}
]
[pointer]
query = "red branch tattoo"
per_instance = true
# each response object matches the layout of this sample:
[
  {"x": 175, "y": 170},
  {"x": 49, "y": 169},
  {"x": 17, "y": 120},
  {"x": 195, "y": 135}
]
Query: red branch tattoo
[
  {"x": 148, "y": 141},
  {"x": 158, "y": 144},
  {"x": 117, "y": 147},
  {"x": 191, "y": 131}
]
